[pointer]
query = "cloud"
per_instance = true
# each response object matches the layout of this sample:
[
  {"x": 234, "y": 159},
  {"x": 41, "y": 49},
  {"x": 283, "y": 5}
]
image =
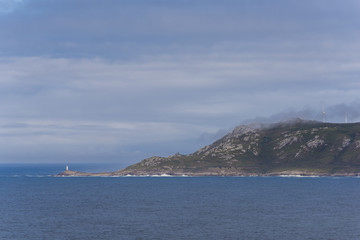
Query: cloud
[
  {"x": 340, "y": 113},
  {"x": 188, "y": 88},
  {"x": 8, "y": 6},
  {"x": 85, "y": 107},
  {"x": 81, "y": 140},
  {"x": 124, "y": 29},
  {"x": 84, "y": 132},
  {"x": 119, "y": 76}
]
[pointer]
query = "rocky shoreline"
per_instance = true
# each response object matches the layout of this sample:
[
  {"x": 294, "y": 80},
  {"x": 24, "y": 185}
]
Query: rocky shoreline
[
  {"x": 295, "y": 148},
  {"x": 121, "y": 173}
]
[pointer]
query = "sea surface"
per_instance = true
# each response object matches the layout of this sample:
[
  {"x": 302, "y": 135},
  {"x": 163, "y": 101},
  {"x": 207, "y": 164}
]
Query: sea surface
[{"x": 34, "y": 205}]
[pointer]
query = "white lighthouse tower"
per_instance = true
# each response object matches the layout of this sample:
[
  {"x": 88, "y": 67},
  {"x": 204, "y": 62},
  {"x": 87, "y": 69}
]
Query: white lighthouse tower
[
  {"x": 67, "y": 168},
  {"x": 346, "y": 117}
]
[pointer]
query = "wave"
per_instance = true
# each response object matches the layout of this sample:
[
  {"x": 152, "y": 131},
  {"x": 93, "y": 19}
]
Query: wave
[
  {"x": 298, "y": 176},
  {"x": 26, "y": 176},
  {"x": 155, "y": 175}
]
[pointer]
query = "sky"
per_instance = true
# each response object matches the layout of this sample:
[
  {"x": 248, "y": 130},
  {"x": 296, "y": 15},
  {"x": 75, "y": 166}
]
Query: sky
[{"x": 121, "y": 80}]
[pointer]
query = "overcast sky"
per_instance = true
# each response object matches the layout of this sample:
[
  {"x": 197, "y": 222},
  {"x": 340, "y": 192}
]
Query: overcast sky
[{"x": 121, "y": 80}]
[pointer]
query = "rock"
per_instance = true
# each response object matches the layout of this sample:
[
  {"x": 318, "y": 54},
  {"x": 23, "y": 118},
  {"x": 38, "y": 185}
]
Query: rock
[{"x": 315, "y": 142}]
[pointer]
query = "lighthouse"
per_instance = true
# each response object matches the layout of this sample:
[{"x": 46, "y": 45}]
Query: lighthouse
[{"x": 67, "y": 168}]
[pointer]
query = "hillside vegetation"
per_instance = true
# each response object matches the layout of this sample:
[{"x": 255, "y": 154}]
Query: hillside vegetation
[{"x": 297, "y": 147}]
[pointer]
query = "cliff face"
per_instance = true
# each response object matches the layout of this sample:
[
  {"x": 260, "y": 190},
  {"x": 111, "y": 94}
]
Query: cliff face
[{"x": 298, "y": 147}]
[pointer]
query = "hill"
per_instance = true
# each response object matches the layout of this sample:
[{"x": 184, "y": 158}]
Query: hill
[{"x": 288, "y": 148}]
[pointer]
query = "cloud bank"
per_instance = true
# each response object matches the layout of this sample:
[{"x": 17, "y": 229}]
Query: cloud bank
[{"x": 123, "y": 80}]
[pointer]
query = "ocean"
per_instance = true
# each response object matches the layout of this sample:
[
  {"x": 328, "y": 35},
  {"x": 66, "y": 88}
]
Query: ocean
[{"x": 34, "y": 205}]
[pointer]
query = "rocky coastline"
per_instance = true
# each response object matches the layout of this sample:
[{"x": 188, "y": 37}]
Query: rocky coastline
[
  {"x": 209, "y": 173},
  {"x": 295, "y": 148}
]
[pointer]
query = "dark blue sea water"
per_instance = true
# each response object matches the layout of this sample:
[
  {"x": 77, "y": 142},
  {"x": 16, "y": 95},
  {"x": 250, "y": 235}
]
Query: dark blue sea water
[{"x": 40, "y": 207}]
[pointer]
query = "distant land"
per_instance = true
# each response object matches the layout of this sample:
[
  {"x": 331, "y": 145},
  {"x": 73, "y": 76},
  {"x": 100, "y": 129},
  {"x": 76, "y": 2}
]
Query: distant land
[{"x": 297, "y": 147}]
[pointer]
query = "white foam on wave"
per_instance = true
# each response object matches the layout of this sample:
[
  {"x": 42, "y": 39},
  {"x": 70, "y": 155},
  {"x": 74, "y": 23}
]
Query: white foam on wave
[
  {"x": 33, "y": 176},
  {"x": 155, "y": 175},
  {"x": 299, "y": 176}
]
